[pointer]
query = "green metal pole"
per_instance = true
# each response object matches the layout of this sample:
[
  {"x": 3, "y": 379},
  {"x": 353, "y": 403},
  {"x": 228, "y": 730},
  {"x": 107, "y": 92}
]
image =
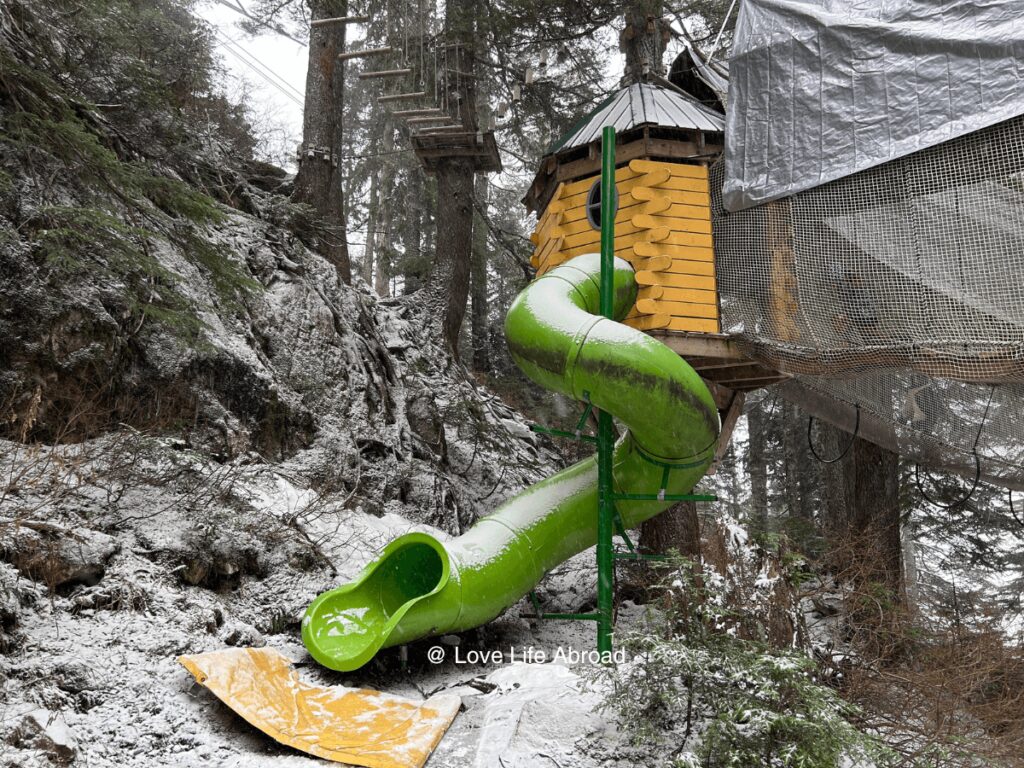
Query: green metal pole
[{"x": 605, "y": 431}]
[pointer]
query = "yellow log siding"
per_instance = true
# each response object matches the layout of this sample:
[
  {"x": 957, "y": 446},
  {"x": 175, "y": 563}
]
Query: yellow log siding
[{"x": 662, "y": 228}]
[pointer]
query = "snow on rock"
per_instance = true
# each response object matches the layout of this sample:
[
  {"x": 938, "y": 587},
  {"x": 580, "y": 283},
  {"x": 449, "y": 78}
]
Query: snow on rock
[{"x": 45, "y": 731}]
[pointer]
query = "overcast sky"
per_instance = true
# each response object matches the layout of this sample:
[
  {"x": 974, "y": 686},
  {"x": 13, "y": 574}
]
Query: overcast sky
[{"x": 252, "y": 64}]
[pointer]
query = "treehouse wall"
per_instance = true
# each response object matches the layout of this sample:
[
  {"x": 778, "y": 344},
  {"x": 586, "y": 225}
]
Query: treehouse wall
[{"x": 662, "y": 228}]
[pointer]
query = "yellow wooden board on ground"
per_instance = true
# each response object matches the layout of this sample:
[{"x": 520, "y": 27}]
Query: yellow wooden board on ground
[{"x": 346, "y": 725}]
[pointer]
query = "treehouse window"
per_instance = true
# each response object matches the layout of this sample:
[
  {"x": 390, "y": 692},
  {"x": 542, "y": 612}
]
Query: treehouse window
[{"x": 594, "y": 204}]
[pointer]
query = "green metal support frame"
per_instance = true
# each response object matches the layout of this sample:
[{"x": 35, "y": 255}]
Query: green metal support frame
[{"x": 605, "y": 429}]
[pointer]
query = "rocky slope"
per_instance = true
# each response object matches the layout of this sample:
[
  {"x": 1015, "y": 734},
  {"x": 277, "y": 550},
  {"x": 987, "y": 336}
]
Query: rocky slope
[{"x": 201, "y": 427}]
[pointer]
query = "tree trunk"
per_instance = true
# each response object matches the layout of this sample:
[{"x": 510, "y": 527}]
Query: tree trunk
[
  {"x": 478, "y": 278},
  {"x": 757, "y": 466},
  {"x": 448, "y": 289},
  {"x": 372, "y": 225},
  {"x": 863, "y": 526},
  {"x": 412, "y": 239},
  {"x": 319, "y": 181},
  {"x": 454, "y": 246},
  {"x": 383, "y": 247},
  {"x": 676, "y": 528},
  {"x": 790, "y": 457},
  {"x": 643, "y": 39}
]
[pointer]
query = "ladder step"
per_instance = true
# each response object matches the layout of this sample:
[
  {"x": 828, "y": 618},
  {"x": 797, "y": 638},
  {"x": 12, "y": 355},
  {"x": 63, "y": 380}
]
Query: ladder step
[
  {"x": 428, "y": 130},
  {"x": 404, "y": 113},
  {"x": 385, "y": 73},
  {"x": 340, "y": 20},
  {"x": 401, "y": 97},
  {"x": 420, "y": 120},
  {"x": 365, "y": 52}
]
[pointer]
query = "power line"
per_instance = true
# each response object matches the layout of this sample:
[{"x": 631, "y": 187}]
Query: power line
[
  {"x": 253, "y": 59},
  {"x": 238, "y": 8},
  {"x": 264, "y": 72}
]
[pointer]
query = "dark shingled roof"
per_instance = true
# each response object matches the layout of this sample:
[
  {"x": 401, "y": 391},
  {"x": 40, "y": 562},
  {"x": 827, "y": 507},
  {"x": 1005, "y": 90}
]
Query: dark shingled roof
[{"x": 637, "y": 105}]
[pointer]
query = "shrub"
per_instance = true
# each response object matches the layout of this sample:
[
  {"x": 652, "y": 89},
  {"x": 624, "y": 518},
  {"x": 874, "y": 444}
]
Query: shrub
[{"x": 705, "y": 697}]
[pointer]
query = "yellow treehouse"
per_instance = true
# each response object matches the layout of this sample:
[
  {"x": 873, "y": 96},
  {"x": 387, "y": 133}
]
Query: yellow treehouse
[
  {"x": 663, "y": 220},
  {"x": 664, "y": 144}
]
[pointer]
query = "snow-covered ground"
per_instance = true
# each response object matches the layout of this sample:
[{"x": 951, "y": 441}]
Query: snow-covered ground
[{"x": 92, "y": 673}]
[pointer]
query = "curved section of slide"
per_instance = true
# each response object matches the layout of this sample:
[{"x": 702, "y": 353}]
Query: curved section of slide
[{"x": 420, "y": 586}]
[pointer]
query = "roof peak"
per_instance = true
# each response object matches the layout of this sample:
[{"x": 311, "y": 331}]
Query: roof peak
[{"x": 641, "y": 103}]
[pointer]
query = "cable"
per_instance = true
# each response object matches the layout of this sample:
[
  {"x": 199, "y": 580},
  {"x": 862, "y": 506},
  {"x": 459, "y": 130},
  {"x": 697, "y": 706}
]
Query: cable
[
  {"x": 287, "y": 94},
  {"x": 977, "y": 466},
  {"x": 963, "y": 500},
  {"x": 846, "y": 450},
  {"x": 253, "y": 63},
  {"x": 238, "y": 8}
]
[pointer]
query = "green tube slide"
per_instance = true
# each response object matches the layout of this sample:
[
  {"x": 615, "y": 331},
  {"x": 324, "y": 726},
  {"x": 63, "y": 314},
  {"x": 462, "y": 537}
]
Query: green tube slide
[{"x": 420, "y": 586}]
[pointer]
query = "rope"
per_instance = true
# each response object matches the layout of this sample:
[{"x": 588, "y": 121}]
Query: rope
[
  {"x": 423, "y": 34},
  {"x": 846, "y": 450}
]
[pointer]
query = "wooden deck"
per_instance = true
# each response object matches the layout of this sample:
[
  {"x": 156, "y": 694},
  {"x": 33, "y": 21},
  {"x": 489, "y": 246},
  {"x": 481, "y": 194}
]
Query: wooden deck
[{"x": 433, "y": 147}]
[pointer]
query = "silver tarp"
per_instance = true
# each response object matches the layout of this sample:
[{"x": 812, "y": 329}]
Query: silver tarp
[{"x": 821, "y": 90}]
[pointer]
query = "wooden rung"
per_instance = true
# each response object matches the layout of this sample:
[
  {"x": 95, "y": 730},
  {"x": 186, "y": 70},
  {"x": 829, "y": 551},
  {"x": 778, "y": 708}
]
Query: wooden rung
[
  {"x": 340, "y": 20},
  {"x": 407, "y": 113},
  {"x": 385, "y": 73},
  {"x": 414, "y": 110},
  {"x": 434, "y": 119},
  {"x": 439, "y": 129},
  {"x": 365, "y": 52},
  {"x": 401, "y": 97}
]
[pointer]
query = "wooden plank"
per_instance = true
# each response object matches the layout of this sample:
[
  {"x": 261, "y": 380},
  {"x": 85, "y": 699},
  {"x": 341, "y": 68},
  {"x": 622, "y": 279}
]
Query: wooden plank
[
  {"x": 384, "y": 73},
  {"x": 574, "y": 223},
  {"x": 660, "y": 235},
  {"x": 633, "y": 150},
  {"x": 677, "y": 308},
  {"x": 584, "y": 185},
  {"x": 648, "y": 322},
  {"x": 676, "y": 224},
  {"x": 550, "y": 260},
  {"x": 347, "y": 55},
  {"x": 548, "y": 227},
  {"x": 405, "y": 97},
  {"x": 627, "y": 208},
  {"x": 631, "y": 194},
  {"x": 650, "y": 292},
  {"x": 693, "y": 325},
  {"x": 782, "y": 303},
  {"x": 576, "y": 192},
  {"x": 670, "y": 280},
  {"x": 755, "y": 383},
  {"x": 691, "y": 295},
  {"x": 686, "y": 183},
  {"x": 681, "y": 245},
  {"x": 676, "y": 169},
  {"x": 729, "y": 420},
  {"x": 550, "y": 247},
  {"x": 718, "y": 346},
  {"x": 653, "y": 264}
]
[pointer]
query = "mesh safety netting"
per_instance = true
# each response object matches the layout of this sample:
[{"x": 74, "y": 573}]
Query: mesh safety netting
[{"x": 898, "y": 291}]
